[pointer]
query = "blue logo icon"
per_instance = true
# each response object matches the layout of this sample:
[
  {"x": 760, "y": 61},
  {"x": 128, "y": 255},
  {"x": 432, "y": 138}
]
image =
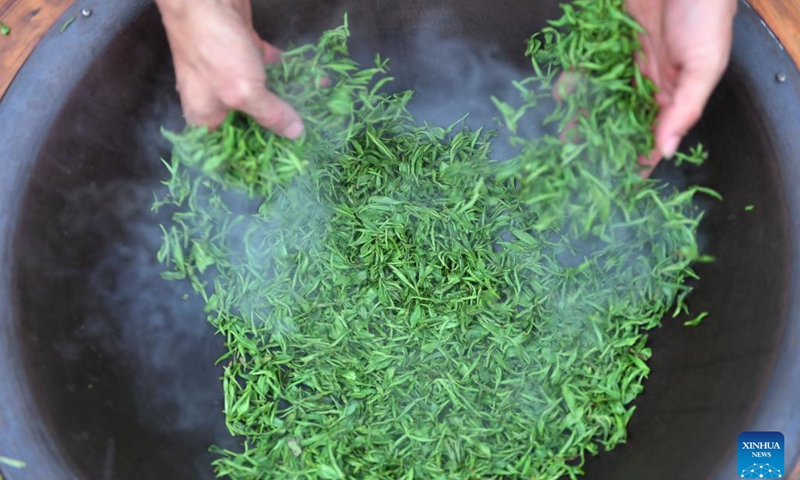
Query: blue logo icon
[{"x": 760, "y": 455}]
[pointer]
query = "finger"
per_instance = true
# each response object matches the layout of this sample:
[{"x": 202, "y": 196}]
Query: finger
[
  {"x": 657, "y": 66},
  {"x": 646, "y": 59},
  {"x": 641, "y": 61},
  {"x": 272, "y": 54},
  {"x": 246, "y": 7},
  {"x": 569, "y": 127},
  {"x": 210, "y": 118},
  {"x": 649, "y": 14},
  {"x": 694, "y": 87},
  {"x": 269, "y": 53},
  {"x": 566, "y": 83},
  {"x": 272, "y": 113},
  {"x": 649, "y": 162},
  {"x": 663, "y": 99},
  {"x": 201, "y": 109}
]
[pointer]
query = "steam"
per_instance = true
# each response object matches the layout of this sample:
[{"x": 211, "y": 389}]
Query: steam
[
  {"x": 153, "y": 326},
  {"x": 157, "y": 327},
  {"x": 459, "y": 77},
  {"x": 152, "y": 331}
]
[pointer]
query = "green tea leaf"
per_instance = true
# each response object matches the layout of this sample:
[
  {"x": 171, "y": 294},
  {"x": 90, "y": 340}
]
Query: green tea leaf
[{"x": 396, "y": 302}]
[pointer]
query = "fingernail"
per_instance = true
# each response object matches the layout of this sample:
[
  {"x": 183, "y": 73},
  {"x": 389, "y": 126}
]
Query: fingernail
[
  {"x": 294, "y": 130},
  {"x": 671, "y": 146}
]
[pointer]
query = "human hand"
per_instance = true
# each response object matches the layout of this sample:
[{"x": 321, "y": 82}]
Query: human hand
[
  {"x": 685, "y": 52},
  {"x": 219, "y": 64}
]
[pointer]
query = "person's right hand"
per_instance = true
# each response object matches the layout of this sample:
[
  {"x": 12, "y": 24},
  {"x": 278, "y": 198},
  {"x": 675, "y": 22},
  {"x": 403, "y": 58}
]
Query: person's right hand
[
  {"x": 219, "y": 64},
  {"x": 686, "y": 49}
]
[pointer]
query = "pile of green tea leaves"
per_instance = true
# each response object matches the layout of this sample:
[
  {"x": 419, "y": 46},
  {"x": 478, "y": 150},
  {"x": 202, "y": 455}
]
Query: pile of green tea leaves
[{"x": 397, "y": 303}]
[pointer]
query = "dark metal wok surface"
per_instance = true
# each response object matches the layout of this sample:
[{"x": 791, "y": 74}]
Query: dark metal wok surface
[{"x": 108, "y": 372}]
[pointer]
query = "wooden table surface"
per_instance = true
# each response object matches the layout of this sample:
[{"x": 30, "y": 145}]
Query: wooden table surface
[{"x": 30, "y": 19}]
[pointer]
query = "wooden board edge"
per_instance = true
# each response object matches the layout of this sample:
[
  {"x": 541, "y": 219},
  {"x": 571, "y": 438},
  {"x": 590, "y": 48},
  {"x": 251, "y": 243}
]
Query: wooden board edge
[
  {"x": 783, "y": 18},
  {"x": 28, "y": 20}
]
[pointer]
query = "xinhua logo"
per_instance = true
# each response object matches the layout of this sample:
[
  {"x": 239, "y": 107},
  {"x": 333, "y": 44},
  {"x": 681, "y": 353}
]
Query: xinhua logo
[{"x": 760, "y": 455}]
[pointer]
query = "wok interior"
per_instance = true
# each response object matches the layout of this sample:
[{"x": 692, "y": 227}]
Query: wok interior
[{"x": 122, "y": 364}]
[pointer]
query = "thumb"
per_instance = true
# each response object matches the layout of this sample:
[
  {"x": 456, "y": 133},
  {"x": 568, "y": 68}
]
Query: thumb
[
  {"x": 273, "y": 113},
  {"x": 694, "y": 87},
  {"x": 271, "y": 53}
]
